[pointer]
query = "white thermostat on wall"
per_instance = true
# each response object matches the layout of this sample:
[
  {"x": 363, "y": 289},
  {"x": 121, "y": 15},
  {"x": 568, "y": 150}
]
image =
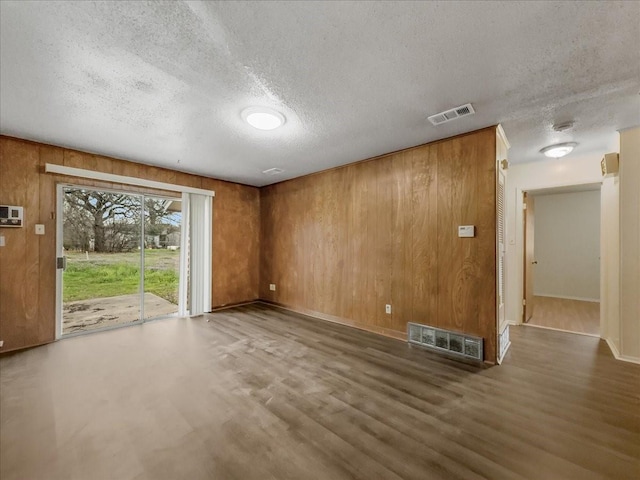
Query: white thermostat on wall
[
  {"x": 10, "y": 216},
  {"x": 466, "y": 231}
]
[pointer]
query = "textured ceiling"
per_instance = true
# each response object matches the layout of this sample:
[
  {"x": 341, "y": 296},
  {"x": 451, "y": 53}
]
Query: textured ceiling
[{"x": 164, "y": 83}]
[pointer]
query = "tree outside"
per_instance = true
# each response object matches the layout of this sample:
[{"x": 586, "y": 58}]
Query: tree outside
[{"x": 102, "y": 244}]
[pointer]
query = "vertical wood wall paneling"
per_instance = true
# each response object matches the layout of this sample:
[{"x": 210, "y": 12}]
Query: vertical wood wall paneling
[
  {"x": 266, "y": 235},
  {"x": 402, "y": 243},
  {"x": 370, "y": 251},
  {"x": 31, "y": 204},
  {"x": 344, "y": 206},
  {"x": 27, "y": 263},
  {"x": 13, "y": 191},
  {"x": 386, "y": 231},
  {"x": 467, "y": 281},
  {"x": 236, "y": 232},
  {"x": 313, "y": 222},
  {"x": 47, "y": 215},
  {"x": 383, "y": 214},
  {"x": 447, "y": 218},
  {"x": 424, "y": 235},
  {"x": 358, "y": 235}
]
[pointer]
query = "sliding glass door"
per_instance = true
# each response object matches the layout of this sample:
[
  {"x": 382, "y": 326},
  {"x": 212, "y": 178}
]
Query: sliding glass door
[
  {"x": 162, "y": 225},
  {"x": 118, "y": 258}
]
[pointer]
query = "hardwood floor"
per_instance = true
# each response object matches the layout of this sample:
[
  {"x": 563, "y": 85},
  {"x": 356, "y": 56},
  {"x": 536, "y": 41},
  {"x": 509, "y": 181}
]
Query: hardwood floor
[
  {"x": 255, "y": 392},
  {"x": 564, "y": 314}
]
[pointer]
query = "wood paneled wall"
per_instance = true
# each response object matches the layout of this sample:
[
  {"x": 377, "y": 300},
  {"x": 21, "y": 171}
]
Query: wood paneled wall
[
  {"x": 343, "y": 243},
  {"x": 27, "y": 262}
]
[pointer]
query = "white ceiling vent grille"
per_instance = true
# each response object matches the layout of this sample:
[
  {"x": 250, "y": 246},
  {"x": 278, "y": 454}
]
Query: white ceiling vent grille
[
  {"x": 273, "y": 171},
  {"x": 453, "y": 114}
]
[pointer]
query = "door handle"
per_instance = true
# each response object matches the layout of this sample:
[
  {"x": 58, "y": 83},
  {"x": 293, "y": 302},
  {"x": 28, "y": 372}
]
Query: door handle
[{"x": 61, "y": 263}]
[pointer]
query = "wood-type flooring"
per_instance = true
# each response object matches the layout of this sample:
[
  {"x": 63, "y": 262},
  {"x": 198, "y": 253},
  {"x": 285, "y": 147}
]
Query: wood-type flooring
[{"x": 257, "y": 392}]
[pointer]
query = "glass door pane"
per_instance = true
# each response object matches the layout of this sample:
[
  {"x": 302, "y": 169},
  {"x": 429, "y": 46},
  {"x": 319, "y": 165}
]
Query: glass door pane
[
  {"x": 101, "y": 284},
  {"x": 163, "y": 219}
]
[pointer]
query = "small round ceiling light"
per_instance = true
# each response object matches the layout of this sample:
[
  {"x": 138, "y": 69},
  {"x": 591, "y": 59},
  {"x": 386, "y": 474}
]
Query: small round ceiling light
[
  {"x": 263, "y": 118},
  {"x": 558, "y": 150}
]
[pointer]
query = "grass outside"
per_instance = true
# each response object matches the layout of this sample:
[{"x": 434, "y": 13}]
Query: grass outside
[{"x": 114, "y": 274}]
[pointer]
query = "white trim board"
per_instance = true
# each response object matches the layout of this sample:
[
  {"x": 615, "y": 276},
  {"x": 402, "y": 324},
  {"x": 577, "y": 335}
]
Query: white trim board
[
  {"x": 542, "y": 327},
  {"x": 110, "y": 177},
  {"x": 567, "y": 297},
  {"x": 503, "y": 136},
  {"x": 616, "y": 354}
]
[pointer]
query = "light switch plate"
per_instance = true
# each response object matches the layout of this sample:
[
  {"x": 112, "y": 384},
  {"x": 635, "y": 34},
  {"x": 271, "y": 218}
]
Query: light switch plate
[
  {"x": 39, "y": 229},
  {"x": 272, "y": 287},
  {"x": 1, "y": 240},
  {"x": 466, "y": 231}
]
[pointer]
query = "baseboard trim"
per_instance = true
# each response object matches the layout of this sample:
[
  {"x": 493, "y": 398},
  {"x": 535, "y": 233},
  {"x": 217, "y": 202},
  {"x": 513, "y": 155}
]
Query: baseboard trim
[
  {"x": 232, "y": 305},
  {"x": 402, "y": 336},
  {"x": 560, "y": 330},
  {"x": 618, "y": 356},
  {"x": 3, "y": 350},
  {"x": 504, "y": 354},
  {"x": 567, "y": 297}
]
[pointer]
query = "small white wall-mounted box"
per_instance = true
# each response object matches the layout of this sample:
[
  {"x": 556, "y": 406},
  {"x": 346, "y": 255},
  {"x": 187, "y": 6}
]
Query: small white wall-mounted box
[
  {"x": 610, "y": 164},
  {"x": 466, "y": 231}
]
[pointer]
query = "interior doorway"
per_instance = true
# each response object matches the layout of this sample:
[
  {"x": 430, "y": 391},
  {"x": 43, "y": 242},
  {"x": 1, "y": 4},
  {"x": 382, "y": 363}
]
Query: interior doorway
[
  {"x": 562, "y": 258},
  {"x": 118, "y": 258}
]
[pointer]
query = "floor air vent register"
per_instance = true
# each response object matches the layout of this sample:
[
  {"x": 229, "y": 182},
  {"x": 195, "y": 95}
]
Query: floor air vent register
[{"x": 445, "y": 341}]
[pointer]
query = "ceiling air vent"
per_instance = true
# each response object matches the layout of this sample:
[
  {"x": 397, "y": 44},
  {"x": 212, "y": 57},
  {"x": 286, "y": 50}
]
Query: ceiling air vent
[
  {"x": 453, "y": 114},
  {"x": 273, "y": 171}
]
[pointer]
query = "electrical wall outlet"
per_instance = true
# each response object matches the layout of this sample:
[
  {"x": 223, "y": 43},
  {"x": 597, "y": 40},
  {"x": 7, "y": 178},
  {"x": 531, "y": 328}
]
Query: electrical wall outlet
[
  {"x": 272, "y": 287},
  {"x": 2, "y": 241},
  {"x": 387, "y": 309},
  {"x": 1, "y": 343}
]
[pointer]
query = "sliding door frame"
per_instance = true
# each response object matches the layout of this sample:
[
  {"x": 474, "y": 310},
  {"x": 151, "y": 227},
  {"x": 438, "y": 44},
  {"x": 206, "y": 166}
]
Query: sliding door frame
[
  {"x": 94, "y": 175},
  {"x": 60, "y": 192}
]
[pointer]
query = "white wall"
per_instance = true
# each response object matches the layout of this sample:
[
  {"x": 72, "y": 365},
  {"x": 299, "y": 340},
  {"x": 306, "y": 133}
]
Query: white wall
[
  {"x": 567, "y": 245},
  {"x": 572, "y": 170},
  {"x": 620, "y": 237},
  {"x": 630, "y": 244},
  {"x": 610, "y": 264}
]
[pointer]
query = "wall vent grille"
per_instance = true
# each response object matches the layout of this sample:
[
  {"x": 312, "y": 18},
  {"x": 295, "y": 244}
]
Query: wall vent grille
[
  {"x": 445, "y": 341},
  {"x": 504, "y": 342},
  {"x": 453, "y": 114}
]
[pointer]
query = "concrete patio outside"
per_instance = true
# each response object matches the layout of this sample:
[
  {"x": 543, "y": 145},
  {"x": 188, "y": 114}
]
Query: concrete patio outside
[{"x": 98, "y": 313}]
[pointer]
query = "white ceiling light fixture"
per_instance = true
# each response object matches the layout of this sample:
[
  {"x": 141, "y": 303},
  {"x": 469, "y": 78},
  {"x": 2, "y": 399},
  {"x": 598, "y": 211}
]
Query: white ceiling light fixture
[
  {"x": 273, "y": 171},
  {"x": 263, "y": 118},
  {"x": 558, "y": 150}
]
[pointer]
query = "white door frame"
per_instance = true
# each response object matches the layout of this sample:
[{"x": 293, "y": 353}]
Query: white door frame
[{"x": 520, "y": 232}]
